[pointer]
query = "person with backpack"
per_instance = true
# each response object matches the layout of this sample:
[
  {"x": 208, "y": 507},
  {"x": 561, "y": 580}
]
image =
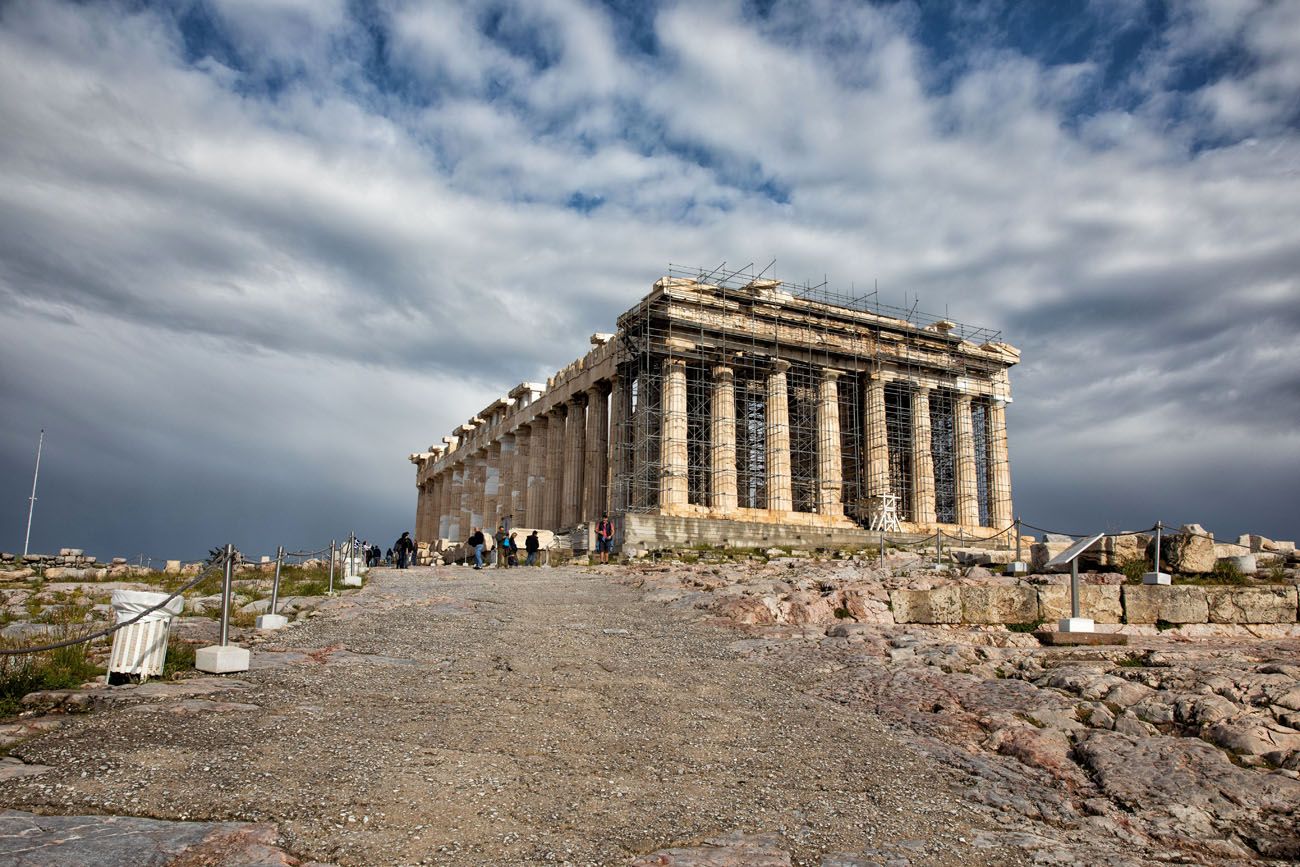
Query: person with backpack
[
  {"x": 502, "y": 541},
  {"x": 532, "y": 545},
  {"x": 604, "y": 538},
  {"x": 405, "y": 549},
  {"x": 513, "y": 542},
  {"x": 476, "y": 543}
]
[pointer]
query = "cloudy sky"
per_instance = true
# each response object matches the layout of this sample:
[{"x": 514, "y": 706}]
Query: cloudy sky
[{"x": 253, "y": 252}]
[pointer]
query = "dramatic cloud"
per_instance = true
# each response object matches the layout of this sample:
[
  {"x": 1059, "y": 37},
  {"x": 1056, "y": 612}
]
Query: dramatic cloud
[{"x": 253, "y": 253}]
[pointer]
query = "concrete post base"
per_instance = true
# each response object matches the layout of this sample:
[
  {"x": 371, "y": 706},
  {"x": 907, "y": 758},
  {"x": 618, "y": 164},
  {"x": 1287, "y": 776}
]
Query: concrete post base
[
  {"x": 1076, "y": 624},
  {"x": 1156, "y": 578},
  {"x": 1017, "y": 567},
  {"x": 272, "y": 621},
  {"x": 221, "y": 660},
  {"x": 351, "y": 580}
]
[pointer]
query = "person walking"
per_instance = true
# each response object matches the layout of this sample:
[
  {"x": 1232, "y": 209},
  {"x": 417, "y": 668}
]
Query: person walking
[
  {"x": 604, "y": 538},
  {"x": 405, "y": 548},
  {"x": 513, "y": 559},
  {"x": 532, "y": 545},
  {"x": 476, "y": 542},
  {"x": 501, "y": 540}
]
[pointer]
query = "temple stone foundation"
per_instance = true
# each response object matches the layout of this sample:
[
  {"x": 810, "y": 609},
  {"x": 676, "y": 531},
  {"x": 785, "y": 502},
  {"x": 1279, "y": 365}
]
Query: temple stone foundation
[{"x": 737, "y": 411}]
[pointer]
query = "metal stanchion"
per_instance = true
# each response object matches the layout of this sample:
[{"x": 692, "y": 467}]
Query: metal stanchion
[
  {"x": 275, "y": 585},
  {"x": 1155, "y": 576},
  {"x": 228, "y": 577},
  {"x": 882, "y": 548},
  {"x": 332, "y": 547},
  {"x": 1018, "y": 565},
  {"x": 223, "y": 657}
]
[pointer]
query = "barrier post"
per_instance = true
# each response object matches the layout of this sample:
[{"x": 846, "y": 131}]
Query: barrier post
[
  {"x": 225, "y": 657},
  {"x": 1017, "y": 566},
  {"x": 227, "y": 580},
  {"x": 1155, "y": 576},
  {"x": 882, "y": 548},
  {"x": 272, "y": 619},
  {"x": 332, "y": 547}
]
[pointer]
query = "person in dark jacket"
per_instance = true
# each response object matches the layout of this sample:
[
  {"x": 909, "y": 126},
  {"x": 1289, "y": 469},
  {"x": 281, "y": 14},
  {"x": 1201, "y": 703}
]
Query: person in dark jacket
[
  {"x": 513, "y": 558},
  {"x": 604, "y": 538},
  {"x": 532, "y": 545},
  {"x": 405, "y": 548},
  {"x": 476, "y": 542},
  {"x": 502, "y": 541}
]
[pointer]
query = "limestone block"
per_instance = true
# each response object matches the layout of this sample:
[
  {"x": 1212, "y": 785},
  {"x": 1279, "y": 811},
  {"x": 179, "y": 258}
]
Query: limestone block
[
  {"x": 1041, "y": 552},
  {"x": 1099, "y": 602},
  {"x": 1275, "y": 604},
  {"x": 940, "y": 605},
  {"x": 173, "y": 567},
  {"x": 1015, "y": 604},
  {"x": 1149, "y": 603},
  {"x": 1281, "y": 546},
  {"x": 1189, "y": 551},
  {"x": 1244, "y": 563},
  {"x": 1116, "y": 550}
]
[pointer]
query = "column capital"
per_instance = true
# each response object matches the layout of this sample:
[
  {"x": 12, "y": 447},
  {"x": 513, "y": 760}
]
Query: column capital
[
  {"x": 578, "y": 398},
  {"x": 723, "y": 370},
  {"x": 669, "y": 361},
  {"x": 780, "y": 365},
  {"x": 831, "y": 373}
]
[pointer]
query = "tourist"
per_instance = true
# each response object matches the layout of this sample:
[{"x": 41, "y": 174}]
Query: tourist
[
  {"x": 476, "y": 542},
  {"x": 388, "y": 558},
  {"x": 513, "y": 559},
  {"x": 532, "y": 545},
  {"x": 604, "y": 538},
  {"x": 405, "y": 548},
  {"x": 500, "y": 538}
]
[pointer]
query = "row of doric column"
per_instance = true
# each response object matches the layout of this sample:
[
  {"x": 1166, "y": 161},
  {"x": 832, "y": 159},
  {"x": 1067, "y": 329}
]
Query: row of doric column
[
  {"x": 550, "y": 472},
  {"x": 561, "y": 467}
]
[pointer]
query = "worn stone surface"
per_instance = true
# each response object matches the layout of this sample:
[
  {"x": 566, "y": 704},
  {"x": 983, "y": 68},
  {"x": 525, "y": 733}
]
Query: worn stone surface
[
  {"x": 941, "y": 605},
  {"x": 33, "y": 840},
  {"x": 1100, "y": 602},
  {"x": 1017, "y": 604},
  {"x": 1275, "y": 604},
  {"x": 1171, "y": 604}
]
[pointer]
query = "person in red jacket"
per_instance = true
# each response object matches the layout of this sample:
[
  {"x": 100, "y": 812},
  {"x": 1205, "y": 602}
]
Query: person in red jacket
[{"x": 604, "y": 538}]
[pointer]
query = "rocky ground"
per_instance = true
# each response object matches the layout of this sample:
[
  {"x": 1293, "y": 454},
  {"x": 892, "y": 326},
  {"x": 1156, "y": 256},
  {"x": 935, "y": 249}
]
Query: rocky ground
[{"x": 633, "y": 716}]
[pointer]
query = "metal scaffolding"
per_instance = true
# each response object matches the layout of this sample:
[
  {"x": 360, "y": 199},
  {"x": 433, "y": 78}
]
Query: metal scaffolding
[{"x": 874, "y": 431}]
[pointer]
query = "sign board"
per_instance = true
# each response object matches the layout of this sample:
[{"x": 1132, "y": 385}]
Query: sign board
[{"x": 1074, "y": 550}]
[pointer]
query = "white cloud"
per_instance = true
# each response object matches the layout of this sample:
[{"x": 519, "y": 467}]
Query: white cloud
[{"x": 406, "y": 230}]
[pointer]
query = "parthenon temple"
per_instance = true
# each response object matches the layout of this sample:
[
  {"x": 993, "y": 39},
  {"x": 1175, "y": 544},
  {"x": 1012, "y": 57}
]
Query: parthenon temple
[{"x": 728, "y": 409}]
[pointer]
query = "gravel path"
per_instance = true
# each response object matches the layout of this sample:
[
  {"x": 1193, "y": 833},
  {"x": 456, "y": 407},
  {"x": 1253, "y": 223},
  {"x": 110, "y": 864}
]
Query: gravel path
[{"x": 513, "y": 717}]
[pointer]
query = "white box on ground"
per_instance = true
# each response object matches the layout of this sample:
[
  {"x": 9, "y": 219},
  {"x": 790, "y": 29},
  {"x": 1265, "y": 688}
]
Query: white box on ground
[
  {"x": 1156, "y": 578},
  {"x": 221, "y": 660},
  {"x": 351, "y": 580},
  {"x": 272, "y": 621},
  {"x": 1076, "y": 624}
]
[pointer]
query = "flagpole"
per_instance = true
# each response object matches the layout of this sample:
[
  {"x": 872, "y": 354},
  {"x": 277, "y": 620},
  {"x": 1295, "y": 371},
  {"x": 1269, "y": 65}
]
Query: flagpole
[{"x": 31, "y": 501}]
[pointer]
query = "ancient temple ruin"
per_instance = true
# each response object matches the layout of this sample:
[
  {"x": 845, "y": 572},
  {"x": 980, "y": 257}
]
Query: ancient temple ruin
[{"x": 734, "y": 410}]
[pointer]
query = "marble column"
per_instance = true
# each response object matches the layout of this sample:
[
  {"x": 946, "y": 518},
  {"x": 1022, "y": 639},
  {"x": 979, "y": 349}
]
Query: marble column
[
  {"x": 779, "y": 496},
  {"x": 968, "y": 508},
  {"x": 722, "y": 440},
  {"x": 505, "y": 478},
  {"x": 519, "y": 477},
  {"x": 478, "y": 497},
  {"x": 447, "y": 521},
  {"x": 830, "y": 472},
  {"x": 922, "y": 459},
  {"x": 435, "y": 523},
  {"x": 672, "y": 441},
  {"x": 555, "y": 433},
  {"x": 877, "y": 437},
  {"x": 575, "y": 454},
  {"x": 618, "y": 443},
  {"x": 491, "y": 485},
  {"x": 535, "y": 506},
  {"x": 596, "y": 468},
  {"x": 999, "y": 465},
  {"x": 464, "y": 492}
]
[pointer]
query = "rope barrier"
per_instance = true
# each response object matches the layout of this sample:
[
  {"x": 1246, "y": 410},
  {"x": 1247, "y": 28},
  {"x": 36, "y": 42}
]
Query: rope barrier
[{"x": 45, "y": 648}]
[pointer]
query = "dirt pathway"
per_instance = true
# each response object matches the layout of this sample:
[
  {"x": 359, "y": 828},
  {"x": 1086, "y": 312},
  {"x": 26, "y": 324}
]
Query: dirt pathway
[{"x": 513, "y": 717}]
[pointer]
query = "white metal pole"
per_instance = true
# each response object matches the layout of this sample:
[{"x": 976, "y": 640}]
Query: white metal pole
[{"x": 31, "y": 501}]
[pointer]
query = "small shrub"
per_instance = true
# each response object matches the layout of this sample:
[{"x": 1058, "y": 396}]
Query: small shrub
[
  {"x": 61, "y": 668},
  {"x": 180, "y": 657},
  {"x": 1031, "y": 626},
  {"x": 1134, "y": 568},
  {"x": 1165, "y": 625},
  {"x": 1226, "y": 572},
  {"x": 1133, "y": 660},
  {"x": 842, "y": 613},
  {"x": 1277, "y": 573}
]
